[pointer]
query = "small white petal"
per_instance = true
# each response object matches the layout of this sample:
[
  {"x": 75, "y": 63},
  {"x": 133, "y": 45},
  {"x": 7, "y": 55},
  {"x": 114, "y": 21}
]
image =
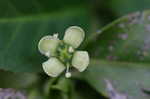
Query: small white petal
[
  {"x": 47, "y": 45},
  {"x": 53, "y": 67},
  {"x": 74, "y": 36},
  {"x": 80, "y": 60}
]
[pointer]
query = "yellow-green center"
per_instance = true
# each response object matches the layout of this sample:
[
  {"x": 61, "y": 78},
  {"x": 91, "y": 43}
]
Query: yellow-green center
[{"x": 63, "y": 53}]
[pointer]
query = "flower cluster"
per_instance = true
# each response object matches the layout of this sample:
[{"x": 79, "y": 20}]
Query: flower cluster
[{"x": 62, "y": 54}]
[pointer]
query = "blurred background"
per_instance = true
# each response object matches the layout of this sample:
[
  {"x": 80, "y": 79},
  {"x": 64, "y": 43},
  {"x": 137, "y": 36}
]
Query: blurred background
[
  {"x": 91, "y": 14},
  {"x": 29, "y": 20}
]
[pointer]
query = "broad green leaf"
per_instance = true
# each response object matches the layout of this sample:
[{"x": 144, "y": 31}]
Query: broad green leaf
[
  {"x": 19, "y": 36},
  {"x": 124, "y": 45},
  {"x": 126, "y": 39},
  {"x": 129, "y": 78},
  {"x": 18, "y": 8}
]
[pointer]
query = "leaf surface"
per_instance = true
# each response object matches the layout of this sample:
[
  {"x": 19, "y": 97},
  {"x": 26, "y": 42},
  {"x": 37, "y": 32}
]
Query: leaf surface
[{"x": 122, "y": 50}]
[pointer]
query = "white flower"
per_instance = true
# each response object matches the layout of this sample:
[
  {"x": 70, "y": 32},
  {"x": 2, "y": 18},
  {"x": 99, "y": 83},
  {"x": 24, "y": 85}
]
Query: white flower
[{"x": 62, "y": 54}]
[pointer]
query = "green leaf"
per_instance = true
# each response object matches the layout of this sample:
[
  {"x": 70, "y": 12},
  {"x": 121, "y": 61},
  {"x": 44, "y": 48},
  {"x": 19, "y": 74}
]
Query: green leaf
[
  {"x": 129, "y": 78},
  {"x": 20, "y": 33},
  {"x": 17, "y": 8},
  {"x": 124, "y": 48},
  {"x": 126, "y": 39}
]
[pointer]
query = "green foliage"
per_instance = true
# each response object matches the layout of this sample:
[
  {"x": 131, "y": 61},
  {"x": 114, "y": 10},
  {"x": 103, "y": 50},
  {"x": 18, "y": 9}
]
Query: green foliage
[
  {"x": 124, "y": 47},
  {"x": 20, "y": 8},
  {"x": 126, "y": 39},
  {"x": 119, "y": 52},
  {"x": 129, "y": 78},
  {"x": 20, "y": 35}
]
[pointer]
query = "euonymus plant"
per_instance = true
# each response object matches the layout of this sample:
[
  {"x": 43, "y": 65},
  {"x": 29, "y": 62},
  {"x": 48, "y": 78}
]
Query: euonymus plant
[{"x": 118, "y": 67}]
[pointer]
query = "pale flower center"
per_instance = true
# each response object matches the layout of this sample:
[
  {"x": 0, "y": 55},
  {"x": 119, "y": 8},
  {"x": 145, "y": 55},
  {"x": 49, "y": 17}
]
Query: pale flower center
[{"x": 64, "y": 53}]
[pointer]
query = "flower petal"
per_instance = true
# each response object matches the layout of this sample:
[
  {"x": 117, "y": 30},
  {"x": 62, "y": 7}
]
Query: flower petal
[
  {"x": 53, "y": 67},
  {"x": 80, "y": 60},
  {"x": 48, "y": 44},
  {"x": 74, "y": 36}
]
